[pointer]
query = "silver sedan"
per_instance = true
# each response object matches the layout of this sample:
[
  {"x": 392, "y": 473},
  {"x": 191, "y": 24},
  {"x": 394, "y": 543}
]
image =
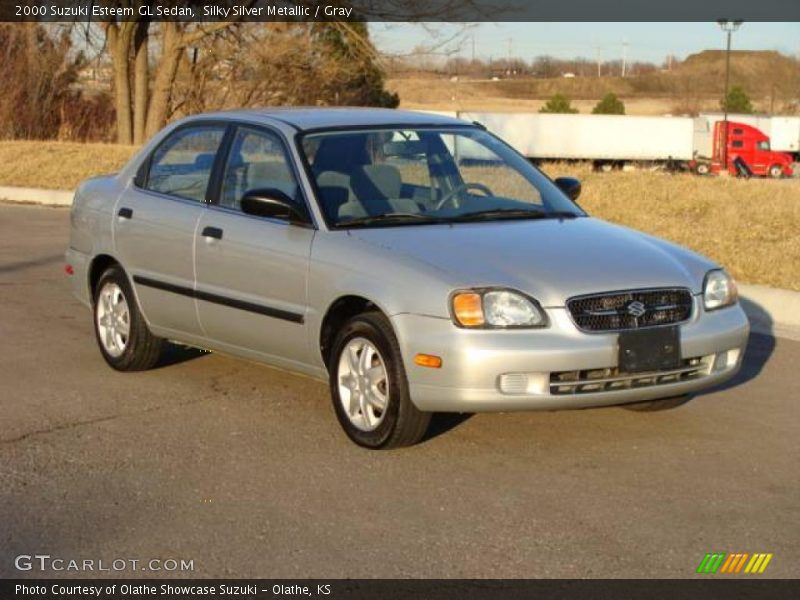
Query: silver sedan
[{"x": 415, "y": 262}]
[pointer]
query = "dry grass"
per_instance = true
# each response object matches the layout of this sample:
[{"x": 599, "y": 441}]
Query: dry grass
[
  {"x": 752, "y": 227},
  {"x": 421, "y": 93},
  {"x": 58, "y": 165}
]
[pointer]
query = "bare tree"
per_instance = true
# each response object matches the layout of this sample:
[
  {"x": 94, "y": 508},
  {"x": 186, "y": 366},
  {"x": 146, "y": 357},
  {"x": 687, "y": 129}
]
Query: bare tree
[{"x": 141, "y": 112}]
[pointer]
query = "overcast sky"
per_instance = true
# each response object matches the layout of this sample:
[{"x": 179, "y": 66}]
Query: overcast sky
[{"x": 645, "y": 41}]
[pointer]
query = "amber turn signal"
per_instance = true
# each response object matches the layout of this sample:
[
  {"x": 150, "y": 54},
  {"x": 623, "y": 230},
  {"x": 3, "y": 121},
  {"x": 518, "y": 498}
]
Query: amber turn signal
[
  {"x": 468, "y": 309},
  {"x": 428, "y": 360}
]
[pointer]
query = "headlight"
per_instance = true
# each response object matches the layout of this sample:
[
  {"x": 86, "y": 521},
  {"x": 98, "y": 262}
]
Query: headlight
[
  {"x": 496, "y": 309},
  {"x": 719, "y": 290}
]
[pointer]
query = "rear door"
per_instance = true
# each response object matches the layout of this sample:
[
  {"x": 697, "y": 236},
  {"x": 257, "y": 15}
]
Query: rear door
[
  {"x": 156, "y": 221},
  {"x": 252, "y": 271}
]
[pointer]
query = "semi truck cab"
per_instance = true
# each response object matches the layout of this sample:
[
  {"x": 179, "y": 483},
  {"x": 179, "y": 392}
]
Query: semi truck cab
[{"x": 750, "y": 145}]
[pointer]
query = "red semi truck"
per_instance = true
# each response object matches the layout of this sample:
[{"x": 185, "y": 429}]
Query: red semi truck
[{"x": 747, "y": 146}]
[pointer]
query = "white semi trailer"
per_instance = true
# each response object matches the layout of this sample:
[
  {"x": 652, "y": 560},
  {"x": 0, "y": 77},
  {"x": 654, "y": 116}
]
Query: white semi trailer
[
  {"x": 606, "y": 140},
  {"x": 619, "y": 140}
]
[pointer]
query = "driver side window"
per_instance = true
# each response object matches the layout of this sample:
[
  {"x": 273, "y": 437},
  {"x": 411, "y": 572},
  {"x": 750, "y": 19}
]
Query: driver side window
[{"x": 257, "y": 160}]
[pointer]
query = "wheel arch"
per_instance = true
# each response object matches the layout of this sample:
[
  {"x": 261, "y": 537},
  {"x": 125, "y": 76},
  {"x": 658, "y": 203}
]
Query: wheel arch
[
  {"x": 339, "y": 311},
  {"x": 97, "y": 267}
]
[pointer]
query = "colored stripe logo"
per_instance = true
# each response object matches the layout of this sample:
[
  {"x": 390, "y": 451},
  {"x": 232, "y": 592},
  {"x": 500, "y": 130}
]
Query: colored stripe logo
[{"x": 735, "y": 562}]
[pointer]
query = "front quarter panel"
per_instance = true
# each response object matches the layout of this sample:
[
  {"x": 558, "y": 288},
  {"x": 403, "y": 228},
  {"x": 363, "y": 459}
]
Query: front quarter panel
[{"x": 344, "y": 265}]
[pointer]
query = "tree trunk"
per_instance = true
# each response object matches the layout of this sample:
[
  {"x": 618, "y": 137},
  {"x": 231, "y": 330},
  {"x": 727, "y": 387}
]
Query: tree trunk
[
  {"x": 140, "y": 81},
  {"x": 172, "y": 49},
  {"x": 119, "y": 42}
]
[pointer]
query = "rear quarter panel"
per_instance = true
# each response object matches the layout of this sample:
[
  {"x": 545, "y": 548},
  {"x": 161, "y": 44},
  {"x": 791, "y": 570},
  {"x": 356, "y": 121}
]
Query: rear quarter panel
[{"x": 91, "y": 229}]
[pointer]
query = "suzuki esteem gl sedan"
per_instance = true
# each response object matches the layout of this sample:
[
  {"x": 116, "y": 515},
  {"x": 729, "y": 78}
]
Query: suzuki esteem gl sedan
[{"x": 416, "y": 262}]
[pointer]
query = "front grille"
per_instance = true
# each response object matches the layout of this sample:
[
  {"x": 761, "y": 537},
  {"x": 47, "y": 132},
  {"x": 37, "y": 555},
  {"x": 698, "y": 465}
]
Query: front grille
[
  {"x": 606, "y": 380},
  {"x": 634, "y": 309}
]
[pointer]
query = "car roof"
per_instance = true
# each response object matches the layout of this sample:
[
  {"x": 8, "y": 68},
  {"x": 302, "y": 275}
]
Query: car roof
[{"x": 310, "y": 118}]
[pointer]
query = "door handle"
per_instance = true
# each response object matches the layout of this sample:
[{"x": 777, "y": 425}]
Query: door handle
[
  {"x": 212, "y": 232},
  {"x": 125, "y": 213}
]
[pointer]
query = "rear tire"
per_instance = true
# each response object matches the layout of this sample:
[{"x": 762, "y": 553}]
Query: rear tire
[
  {"x": 657, "y": 405},
  {"x": 369, "y": 387},
  {"x": 120, "y": 329}
]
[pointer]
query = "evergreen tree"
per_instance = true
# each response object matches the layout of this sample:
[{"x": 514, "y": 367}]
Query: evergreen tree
[
  {"x": 609, "y": 105},
  {"x": 737, "y": 101},
  {"x": 559, "y": 103}
]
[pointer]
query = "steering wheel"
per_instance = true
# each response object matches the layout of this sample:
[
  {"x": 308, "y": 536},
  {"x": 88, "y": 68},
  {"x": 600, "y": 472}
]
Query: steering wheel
[{"x": 452, "y": 194}]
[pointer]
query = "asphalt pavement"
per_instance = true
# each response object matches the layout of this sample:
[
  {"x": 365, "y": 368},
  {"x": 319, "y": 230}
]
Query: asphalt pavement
[{"x": 243, "y": 470}]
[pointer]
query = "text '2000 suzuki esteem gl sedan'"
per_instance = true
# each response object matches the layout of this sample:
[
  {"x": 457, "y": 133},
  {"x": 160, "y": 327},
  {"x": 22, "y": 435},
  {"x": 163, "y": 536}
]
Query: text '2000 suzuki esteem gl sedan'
[{"x": 416, "y": 262}]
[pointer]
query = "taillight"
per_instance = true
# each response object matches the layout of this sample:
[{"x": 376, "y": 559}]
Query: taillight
[{"x": 69, "y": 270}]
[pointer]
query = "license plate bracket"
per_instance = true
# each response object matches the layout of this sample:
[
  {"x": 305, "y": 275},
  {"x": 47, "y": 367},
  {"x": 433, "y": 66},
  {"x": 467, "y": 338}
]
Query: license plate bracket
[{"x": 654, "y": 349}]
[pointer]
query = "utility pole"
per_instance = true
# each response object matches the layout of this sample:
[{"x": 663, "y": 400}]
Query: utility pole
[
  {"x": 728, "y": 27},
  {"x": 624, "y": 56}
]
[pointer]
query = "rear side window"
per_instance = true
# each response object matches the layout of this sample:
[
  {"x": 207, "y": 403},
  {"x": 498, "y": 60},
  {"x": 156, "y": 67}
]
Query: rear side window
[
  {"x": 181, "y": 166},
  {"x": 737, "y": 144}
]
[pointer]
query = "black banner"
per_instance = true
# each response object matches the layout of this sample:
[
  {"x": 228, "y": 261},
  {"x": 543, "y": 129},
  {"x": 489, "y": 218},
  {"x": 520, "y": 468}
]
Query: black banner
[
  {"x": 744, "y": 588},
  {"x": 399, "y": 10}
]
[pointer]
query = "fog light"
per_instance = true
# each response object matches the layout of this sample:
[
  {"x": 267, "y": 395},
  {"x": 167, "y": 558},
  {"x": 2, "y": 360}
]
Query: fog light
[
  {"x": 513, "y": 383},
  {"x": 725, "y": 360}
]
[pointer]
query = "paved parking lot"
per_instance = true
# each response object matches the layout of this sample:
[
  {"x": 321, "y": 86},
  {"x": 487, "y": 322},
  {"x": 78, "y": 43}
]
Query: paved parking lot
[{"x": 243, "y": 469}]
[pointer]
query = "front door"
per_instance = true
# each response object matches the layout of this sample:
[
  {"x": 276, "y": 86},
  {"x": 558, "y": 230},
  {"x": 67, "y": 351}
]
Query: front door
[
  {"x": 251, "y": 271},
  {"x": 155, "y": 222}
]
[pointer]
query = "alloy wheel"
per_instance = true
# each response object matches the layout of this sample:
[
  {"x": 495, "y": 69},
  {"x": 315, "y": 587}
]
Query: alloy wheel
[
  {"x": 363, "y": 384},
  {"x": 113, "y": 319}
]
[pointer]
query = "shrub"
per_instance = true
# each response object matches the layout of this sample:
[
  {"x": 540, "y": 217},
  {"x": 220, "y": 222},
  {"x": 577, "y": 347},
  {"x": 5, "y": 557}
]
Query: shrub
[
  {"x": 558, "y": 103},
  {"x": 609, "y": 105},
  {"x": 737, "y": 101}
]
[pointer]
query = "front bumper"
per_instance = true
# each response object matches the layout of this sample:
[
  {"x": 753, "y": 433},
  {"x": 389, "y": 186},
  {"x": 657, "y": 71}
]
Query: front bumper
[{"x": 506, "y": 370}]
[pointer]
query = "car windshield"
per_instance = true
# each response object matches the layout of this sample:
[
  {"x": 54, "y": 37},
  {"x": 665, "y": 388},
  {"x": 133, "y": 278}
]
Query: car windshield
[{"x": 399, "y": 177}]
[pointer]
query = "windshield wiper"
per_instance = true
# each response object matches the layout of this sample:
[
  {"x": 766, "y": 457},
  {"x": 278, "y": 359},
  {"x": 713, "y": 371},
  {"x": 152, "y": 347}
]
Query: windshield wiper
[
  {"x": 390, "y": 218},
  {"x": 513, "y": 213}
]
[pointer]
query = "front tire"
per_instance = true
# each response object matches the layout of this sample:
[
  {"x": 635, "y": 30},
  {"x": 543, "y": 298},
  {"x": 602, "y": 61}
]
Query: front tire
[
  {"x": 776, "y": 171},
  {"x": 657, "y": 405},
  {"x": 369, "y": 387},
  {"x": 121, "y": 331}
]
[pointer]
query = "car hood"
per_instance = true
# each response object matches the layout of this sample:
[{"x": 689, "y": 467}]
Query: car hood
[{"x": 550, "y": 259}]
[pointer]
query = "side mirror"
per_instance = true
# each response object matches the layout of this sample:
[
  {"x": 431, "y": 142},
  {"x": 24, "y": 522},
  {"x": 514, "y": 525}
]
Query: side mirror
[
  {"x": 275, "y": 204},
  {"x": 570, "y": 186}
]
